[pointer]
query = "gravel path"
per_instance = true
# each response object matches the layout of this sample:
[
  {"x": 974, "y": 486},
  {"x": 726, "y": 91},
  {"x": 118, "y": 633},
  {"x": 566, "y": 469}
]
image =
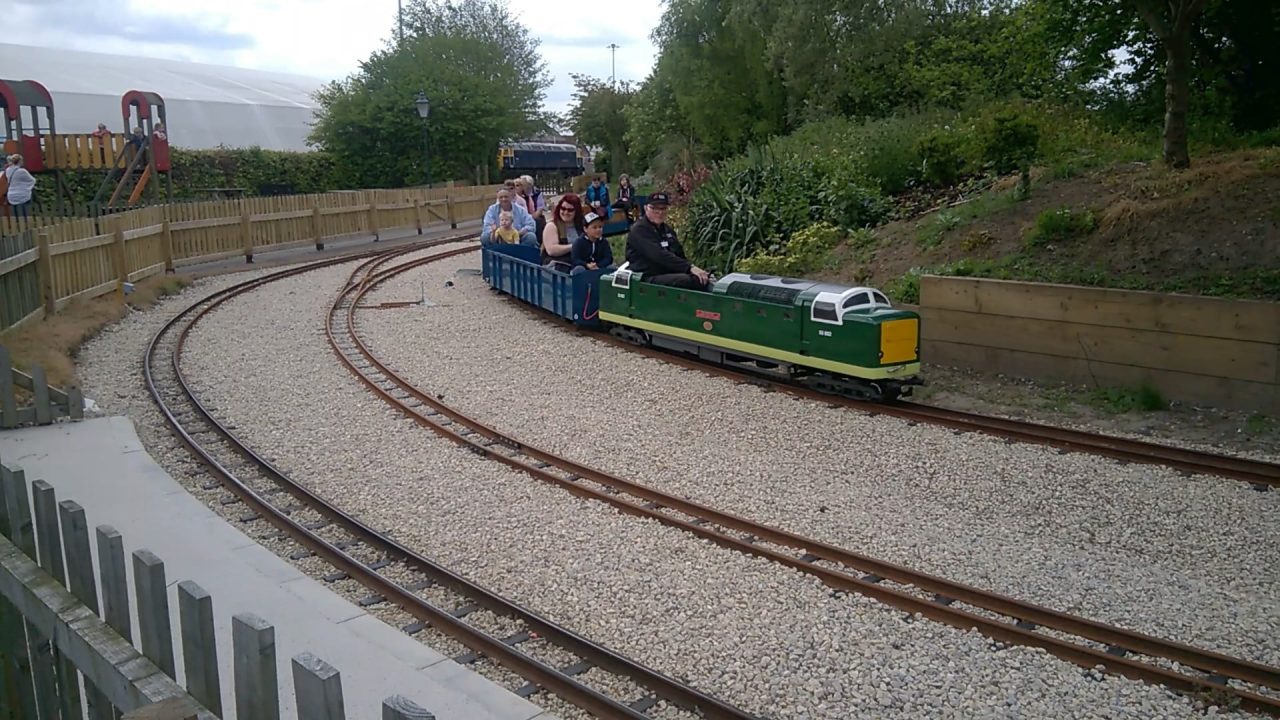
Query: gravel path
[
  {"x": 770, "y": 640},
  {"x": 1196, "y": 559}
]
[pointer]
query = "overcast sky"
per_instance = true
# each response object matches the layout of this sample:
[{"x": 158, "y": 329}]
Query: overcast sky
[{"x": 320, "y": 38}]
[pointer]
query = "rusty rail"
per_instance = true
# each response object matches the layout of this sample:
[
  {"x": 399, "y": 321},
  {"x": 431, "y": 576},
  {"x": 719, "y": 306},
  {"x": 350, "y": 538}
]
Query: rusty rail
[
  {"x": 1025, "y": 618},
  {"x": 503, "y": 651}
]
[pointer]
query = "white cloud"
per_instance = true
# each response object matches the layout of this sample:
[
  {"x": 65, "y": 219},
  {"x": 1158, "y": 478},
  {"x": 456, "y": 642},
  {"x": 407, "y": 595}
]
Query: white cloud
[{"x": 326, "y": 39}]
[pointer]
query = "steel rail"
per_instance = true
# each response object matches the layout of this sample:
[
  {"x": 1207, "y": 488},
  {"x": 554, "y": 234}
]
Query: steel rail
[
  {"x": 664, "y": 686},
  {"x": 534, "y": 671},
  {"x": 1261, "y": 473},
  {"x": 1029, "y": 615},
  {"x": 585, "y": 697}
]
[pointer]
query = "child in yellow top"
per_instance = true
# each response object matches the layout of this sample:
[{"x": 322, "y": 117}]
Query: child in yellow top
[{"x": 505, "y": 233}]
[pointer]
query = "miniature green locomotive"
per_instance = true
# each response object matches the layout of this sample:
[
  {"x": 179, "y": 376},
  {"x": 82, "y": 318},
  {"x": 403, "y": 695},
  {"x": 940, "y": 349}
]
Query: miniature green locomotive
[{"x": 846, "y": 340}]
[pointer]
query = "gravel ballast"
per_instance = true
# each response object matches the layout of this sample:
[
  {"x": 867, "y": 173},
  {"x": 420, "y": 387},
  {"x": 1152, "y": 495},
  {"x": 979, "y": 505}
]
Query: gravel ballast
[
  {"x": 1195, "y": 559},
  {"x": 771, "y": 640}
]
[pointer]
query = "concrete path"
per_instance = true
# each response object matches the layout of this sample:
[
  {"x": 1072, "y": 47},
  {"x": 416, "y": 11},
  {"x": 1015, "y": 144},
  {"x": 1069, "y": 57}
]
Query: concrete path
[{"x": 102, "y": 465}]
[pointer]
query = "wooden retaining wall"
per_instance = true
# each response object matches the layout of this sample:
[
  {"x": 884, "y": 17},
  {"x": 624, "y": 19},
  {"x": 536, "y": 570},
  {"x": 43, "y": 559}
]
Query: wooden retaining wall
[
  {"x": 1194, "y": 349},
  {"x": 87, "y": 257}
]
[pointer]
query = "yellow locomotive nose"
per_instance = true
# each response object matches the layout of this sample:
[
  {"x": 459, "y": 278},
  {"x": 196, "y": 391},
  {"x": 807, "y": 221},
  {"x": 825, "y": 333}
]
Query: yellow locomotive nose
[{"x": 899, "y": 341}]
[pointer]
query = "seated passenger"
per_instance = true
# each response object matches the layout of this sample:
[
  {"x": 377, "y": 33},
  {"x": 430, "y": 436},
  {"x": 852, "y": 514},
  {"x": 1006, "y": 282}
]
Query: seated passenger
[
  {"x": 652, "y": 249},
  {"x": 598, "y": 197},
  {"x": 626, "y": 196},
  {"x": 506, "y": 233},
  {"x": 564, "y": 228},
  {"x": 522, "y": 220},
  {"x": 591, "y": 251}
]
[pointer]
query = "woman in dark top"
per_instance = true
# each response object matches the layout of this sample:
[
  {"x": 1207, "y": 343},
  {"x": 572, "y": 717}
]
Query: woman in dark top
[{"x": 564, "y": 227}]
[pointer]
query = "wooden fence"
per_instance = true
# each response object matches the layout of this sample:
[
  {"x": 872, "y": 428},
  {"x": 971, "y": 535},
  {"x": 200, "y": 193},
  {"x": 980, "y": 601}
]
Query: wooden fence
[
  {"x": 64, "y": 655},
  {"x": 83, "y": 258},
  {"x": 48, "y": 403},
  {"x": 1193, "y": 349}
]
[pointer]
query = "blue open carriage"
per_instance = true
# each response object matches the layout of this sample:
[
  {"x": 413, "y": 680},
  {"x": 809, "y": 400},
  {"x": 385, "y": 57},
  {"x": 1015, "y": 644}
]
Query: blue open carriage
[
  {"x": 618, "y": 223},
  {"x": 516, "y": 270}
]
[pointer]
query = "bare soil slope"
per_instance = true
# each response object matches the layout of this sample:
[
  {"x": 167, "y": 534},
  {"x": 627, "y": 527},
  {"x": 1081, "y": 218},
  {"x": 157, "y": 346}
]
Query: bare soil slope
[{"x": 1214, "y": 229}]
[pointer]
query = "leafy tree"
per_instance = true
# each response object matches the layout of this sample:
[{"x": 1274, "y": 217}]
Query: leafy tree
[
  {"x": 1172, "y": 22},
  {"x": 727, "y": 94},
  {"x": 658, "y": 134},
  {"x": 597, "y": 118},
  {"x": 479, "y": 68}
]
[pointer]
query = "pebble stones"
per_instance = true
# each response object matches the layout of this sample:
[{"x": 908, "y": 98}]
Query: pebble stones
[{"x": 770, "y": 640}]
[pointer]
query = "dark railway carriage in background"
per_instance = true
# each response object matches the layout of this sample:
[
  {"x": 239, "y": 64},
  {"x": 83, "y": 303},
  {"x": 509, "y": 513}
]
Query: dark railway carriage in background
[
  {"x": 834, "y": 338},
  {"x": 540, "y": 158}
]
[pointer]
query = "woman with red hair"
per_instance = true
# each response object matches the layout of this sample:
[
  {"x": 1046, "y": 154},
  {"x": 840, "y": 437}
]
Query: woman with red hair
[{"x": 565, "y": 225}]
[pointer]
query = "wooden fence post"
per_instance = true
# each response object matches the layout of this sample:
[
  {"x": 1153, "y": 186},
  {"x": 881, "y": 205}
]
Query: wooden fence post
[
  {"x": 118, "y": 254},
  {"x": 22, "y": 642},
  {"x": 8, "y": 401},
  {"x": 246, "y": 229},
  {"x": 75, "y": 542},
  {"x": 166, "y": 244},
  {"x": 115, "y": 581},
  {"x": 49, "y": 543},
  {"x": 418, "y": 207},
  {"x": 44, "y": 269},
  {"x": 399, "y": 707},
  {"x": 453, "y": 219},
  {"x": 315, "y": 223},
  {"x": 253, "y": 647},
  {"x": 153, "y": 610},
  {"x": 373, "y": 215},
  {"x": 317, "y": 685},
  {"x": 199, "y": 645},
  {"x": 40, "y": 393}
]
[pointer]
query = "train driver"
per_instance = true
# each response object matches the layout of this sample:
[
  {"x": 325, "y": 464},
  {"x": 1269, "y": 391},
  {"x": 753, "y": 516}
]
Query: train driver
[{"x": 652, "y": 249}]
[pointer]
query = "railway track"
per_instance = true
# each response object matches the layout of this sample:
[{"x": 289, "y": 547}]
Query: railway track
[
  {"x": 1262, "y": 475},
  {"x": 393, "y": 572},
  {"x": 1085, "y": 642}
]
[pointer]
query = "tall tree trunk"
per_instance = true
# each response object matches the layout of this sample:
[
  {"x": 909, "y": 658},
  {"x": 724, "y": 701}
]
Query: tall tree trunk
[
  {"x": 1177, "y": 99},
  {"x": 1172, "y": 20}
]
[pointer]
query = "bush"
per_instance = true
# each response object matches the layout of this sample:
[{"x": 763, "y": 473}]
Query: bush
[
  {"x": 682, "y": 184},
  {"x": 1010, "y": 140},
  {"x": 256, "y": 171},
  {"x": 755, "y": 203},
  {"x": 806, "y": 252},
  {"x": 1061, "y": 224},
  {"x": 941, "y": 156}
]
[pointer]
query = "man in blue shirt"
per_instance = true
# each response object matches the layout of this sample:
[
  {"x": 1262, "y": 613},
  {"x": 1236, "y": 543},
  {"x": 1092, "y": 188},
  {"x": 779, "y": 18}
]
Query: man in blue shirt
[{"x": 523, "y": 221}]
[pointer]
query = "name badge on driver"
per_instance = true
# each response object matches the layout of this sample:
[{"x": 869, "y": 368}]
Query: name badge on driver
[{"x": 665, "y": 243}]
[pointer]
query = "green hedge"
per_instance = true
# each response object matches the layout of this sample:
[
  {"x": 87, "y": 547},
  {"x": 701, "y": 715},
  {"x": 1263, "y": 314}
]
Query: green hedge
[{"x": 256, "y": 171}]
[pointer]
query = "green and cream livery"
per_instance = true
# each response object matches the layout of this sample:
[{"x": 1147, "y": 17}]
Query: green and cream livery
[{"x": 848, "y": 340}]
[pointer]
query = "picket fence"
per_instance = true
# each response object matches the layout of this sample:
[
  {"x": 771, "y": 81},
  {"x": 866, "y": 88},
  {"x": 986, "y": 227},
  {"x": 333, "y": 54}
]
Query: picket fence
[
  {"x": 64, "y": 655},
  {"x": 48, "y": 263}
]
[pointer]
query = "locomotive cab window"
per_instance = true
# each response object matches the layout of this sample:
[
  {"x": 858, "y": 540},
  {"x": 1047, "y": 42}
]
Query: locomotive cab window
[
  {"x": 825, "y": 312},
  {"x": 858, "y": 300}
]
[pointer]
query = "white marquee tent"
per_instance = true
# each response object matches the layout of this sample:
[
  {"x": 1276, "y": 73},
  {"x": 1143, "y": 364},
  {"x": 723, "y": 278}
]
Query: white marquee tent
[{"x": 206, "y": 105}]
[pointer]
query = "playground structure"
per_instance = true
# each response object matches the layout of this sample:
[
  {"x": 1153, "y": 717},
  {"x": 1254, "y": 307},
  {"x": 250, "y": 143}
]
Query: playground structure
[{"x": 133, "y": 164}]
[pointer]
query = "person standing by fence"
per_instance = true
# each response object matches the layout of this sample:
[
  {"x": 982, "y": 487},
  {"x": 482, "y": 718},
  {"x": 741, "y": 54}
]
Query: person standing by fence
[{"x": 21, "y": 185}]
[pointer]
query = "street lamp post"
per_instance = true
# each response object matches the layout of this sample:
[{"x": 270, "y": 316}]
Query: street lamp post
[{"x": 424, "y": 110}]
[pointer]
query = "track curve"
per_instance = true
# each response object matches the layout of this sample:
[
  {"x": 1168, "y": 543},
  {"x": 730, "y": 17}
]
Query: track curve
[
  {"x": 370, "y": 556},
  {"x": 1096, "y": 644}
]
